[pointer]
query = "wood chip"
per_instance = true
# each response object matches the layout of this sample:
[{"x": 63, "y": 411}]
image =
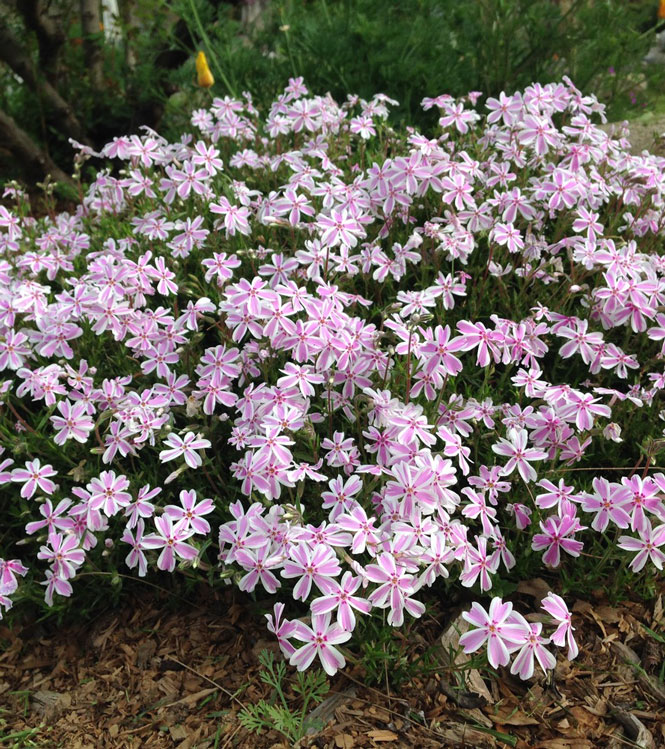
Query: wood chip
[{"x": 382, "y": 735}]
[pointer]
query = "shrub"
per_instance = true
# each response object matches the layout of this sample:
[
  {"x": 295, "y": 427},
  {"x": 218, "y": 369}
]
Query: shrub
[
  {"x": 410, "y": 49},
  {"x": 342, "y": 364},
  {"x": 60, "y": 78}
]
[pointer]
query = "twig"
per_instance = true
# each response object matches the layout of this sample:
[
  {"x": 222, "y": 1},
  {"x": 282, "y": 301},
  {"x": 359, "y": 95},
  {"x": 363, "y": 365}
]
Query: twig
[
  {"x": 604, "y": 468},
  {"x": 210, "y": 681},
  {"x": 387, "y": 709},
  {"x": 20, "y": 418},
  {"x": 230, "y": 738}
]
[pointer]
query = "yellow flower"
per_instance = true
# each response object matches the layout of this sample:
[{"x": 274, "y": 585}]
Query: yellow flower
[
  {"x": 204, "y": 76},
  {"x": 661, "y": 9}
]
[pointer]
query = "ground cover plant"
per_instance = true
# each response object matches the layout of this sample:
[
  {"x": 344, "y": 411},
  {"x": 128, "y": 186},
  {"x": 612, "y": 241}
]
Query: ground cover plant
[{"x": 344, "y": 367}]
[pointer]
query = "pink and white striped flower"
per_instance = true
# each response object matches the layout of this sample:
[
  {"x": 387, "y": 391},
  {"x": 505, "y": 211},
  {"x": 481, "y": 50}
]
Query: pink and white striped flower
[{"x": 320, "y": 640}]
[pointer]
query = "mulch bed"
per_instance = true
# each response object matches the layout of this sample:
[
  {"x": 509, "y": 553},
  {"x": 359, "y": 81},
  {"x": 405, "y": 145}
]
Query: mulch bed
[{"x": 145, "y": 675}]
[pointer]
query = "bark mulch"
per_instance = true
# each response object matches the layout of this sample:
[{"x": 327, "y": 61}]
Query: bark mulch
[{"x": 146, "y": 675}]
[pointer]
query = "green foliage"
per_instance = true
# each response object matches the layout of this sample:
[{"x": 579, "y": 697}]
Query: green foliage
[
  {"x": 391, "y": 656},
  {"x": 277, "y": 712},
  {"x": 409, "y": 49}
]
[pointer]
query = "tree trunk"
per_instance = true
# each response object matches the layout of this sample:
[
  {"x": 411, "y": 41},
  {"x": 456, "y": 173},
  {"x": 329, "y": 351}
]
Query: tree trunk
[
  {"x": 64, "y": 118},
  {"x": 91, "y": 24},
  {"x": 25, "y": 150},
  {"x": 50, "y": 35}
]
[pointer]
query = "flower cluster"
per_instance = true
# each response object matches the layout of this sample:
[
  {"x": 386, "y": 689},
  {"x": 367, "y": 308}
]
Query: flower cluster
[{"x": 387, "y": 364}]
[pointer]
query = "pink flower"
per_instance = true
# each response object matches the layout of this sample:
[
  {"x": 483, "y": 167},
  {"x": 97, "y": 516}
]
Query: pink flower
[
  {"x": 55, "y": 584},
  {"x": 438, "y": 352},
  {"x": 258, "y": 562},
  {"x": 35, "y": 477},
  {"x": 341, "y": 497},
  {"x": 303, "y": 377},
  {"x": 136, "y": 557},
  {"x": 340, "y": 450},
  {"x": 647, "y": 545},
  {"x": 557, "y": 609},
  {"x": 533, "y": 647},
  {"x": 477, "y": 508},
  {"x": 522, "y": 515},
  {"x": 395, "y": 589},
  {"x": 171, "y": 539},
  {"x": 116, "y": 441},
  {"x": 13, "y": 350},
  {"x": 643, "y": 495},
  {"x": 294, "y": 205},
  {"x": 457, "y": 115},
  {"x": 188, "y": 179},
  {"x": 560, "y": 496},
  {"x": 273, "y": 444},
  {"x": 9, "y": 568},
  {"x": 341, "y": 597},
  {"x": 507, "y": 235},
  {"x": 362, "y": 528},
  {"x": 339, "y": 228},
  {"x": 580, "y": 340},
  {"x": 64, "y": 554},
  {"x": 164, "y": 276},
  {"x": 236, "y": 218},
  {"x": 564, "y": 188},
  {"x": 74, "y": 423},
  {"x": 186, "y": 447},
  {"x": 506, "y": 108},
  {"x": 412, "y": 424},
  {"x": 582, "y": 408},
  {"x": 192, "y": 511},
  {"x": 282, "y": 629},
  {"x": 108, "y": 493},
  {"x": 609, "y": 502},
  {"x": 141, "y": 507},
  {"x": 537, "y": 132},
  {"x": 519, "y": 455},
  {"x": 458, "y": 191},
  {"x": 557, "y": 534},
  {"x": 436, "y": 557},
  {"x": 54, "y": 519},
  {"x": 475, "y": 334},
  {"x": 496, "y": 627},
  {"x": 320, "y": 640},
  {"x": 478, "y": 563},
  {"x": 315, "y": 565}
]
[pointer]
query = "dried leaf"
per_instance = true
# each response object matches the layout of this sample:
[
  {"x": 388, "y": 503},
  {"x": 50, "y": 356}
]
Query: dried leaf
[
  {"x": 608, "y": 614},
  {"x": 344, "y": 741},
  {"x": 461, "y": 734},
  {"x": 178, "y": 732},
  {"x": 449, "y": 645},
  {"x": 508, "y": 717},
  {"x": 325, "y": 712},
  {"x": 536, "y": 587}
]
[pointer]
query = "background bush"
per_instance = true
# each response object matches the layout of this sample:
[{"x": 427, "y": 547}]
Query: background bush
[{"x": 407, "y": 49}]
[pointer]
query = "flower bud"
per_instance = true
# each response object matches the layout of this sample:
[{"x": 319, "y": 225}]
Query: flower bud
[
  {"x": 612, "y": 432},
  {"x": 203, "y": 75}
]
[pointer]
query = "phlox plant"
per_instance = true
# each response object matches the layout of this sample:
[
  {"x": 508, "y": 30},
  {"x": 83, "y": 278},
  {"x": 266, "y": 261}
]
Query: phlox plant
[{"x": 315, "y": 357}]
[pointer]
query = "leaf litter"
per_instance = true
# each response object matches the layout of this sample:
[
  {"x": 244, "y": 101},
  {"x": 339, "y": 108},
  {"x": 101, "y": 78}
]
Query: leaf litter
[{"x": 153, "y": 676}]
